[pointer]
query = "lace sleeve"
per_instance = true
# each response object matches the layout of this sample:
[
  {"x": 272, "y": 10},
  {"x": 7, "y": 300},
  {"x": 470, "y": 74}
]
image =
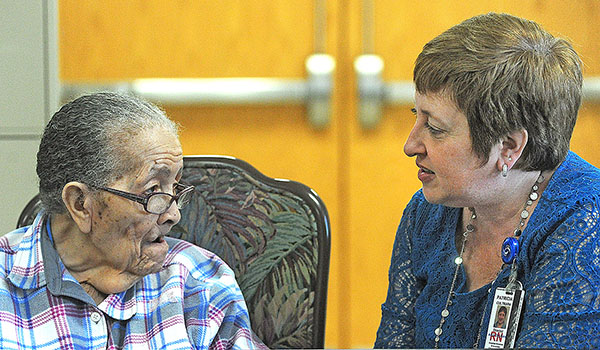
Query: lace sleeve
[
  {"x": 397, "y": 328},
  {"x": 563, "y": 296}
]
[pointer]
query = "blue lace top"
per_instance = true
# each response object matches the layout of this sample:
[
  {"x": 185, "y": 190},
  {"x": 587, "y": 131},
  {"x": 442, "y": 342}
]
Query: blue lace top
[{"x": 559, "y": 266}]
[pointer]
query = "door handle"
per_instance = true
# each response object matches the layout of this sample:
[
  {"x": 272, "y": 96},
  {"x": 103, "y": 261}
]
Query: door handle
[
  {"x": 315, "y": 92},
  {"x": 373, "y": 92}
]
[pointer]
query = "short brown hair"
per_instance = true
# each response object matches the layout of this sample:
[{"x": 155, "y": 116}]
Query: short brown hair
[{"x": 505, "y": 74}]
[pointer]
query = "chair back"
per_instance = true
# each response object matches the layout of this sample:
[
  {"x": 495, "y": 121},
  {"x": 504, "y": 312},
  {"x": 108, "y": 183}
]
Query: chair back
[
  {"x": 274, "y": 234},
  {"x": 32, "y": 208}
]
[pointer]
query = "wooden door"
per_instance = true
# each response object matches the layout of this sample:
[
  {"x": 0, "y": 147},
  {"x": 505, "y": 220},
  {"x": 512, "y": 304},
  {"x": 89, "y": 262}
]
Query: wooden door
[{"x": 362, "y": 175}]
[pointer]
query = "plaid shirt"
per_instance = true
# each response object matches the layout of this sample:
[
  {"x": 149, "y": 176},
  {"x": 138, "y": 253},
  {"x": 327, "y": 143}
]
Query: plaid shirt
[{"x": 193, "y": 302}]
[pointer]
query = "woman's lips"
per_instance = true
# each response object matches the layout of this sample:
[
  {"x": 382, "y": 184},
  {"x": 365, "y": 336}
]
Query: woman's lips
[{"x": 425, "y": 175}]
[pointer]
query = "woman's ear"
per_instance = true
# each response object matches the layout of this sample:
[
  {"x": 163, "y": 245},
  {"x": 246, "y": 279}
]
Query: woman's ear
[
  {"x": 511, "y": 149},
  {"x": 76, "y": 197}
]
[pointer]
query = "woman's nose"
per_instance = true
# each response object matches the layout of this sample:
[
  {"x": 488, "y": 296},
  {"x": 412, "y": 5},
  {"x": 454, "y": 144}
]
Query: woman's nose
[{"x": 413, "y": 144}]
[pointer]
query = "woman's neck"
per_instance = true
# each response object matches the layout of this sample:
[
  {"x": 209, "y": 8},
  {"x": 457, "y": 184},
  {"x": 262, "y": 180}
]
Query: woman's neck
[
  {"x": 501, "y": 213},
  {"x": 495, "y": 222}
]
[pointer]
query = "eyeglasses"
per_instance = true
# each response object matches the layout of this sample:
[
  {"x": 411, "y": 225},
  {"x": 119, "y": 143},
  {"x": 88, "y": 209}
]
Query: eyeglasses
[{"x": 156, "y": 202}]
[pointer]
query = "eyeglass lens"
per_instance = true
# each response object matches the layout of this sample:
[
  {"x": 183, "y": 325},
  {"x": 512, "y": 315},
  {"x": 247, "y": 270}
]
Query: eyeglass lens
[{"x": 160, "y": 202}]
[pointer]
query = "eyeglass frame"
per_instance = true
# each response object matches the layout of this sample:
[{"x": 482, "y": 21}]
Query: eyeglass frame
[{"x": 143, "y": 200}]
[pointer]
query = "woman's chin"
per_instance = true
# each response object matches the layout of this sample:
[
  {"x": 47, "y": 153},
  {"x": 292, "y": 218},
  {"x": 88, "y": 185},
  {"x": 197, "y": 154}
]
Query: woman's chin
[{"x": 431, "y": 196}]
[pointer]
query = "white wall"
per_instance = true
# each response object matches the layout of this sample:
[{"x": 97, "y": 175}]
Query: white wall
[{"x": 29, "y": 90}]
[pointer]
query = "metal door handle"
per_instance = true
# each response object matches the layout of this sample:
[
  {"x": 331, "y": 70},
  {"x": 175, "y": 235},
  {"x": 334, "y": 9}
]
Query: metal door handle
[{"x": 315, "y": 92}]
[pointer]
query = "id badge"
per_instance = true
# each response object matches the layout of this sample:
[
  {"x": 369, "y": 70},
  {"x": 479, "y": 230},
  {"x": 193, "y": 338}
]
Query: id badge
[{"x": 504, "y": 318}]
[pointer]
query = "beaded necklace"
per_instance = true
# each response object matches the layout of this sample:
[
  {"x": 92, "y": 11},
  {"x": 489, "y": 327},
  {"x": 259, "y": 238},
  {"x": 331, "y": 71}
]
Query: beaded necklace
[{"x": 509, "y": 251}]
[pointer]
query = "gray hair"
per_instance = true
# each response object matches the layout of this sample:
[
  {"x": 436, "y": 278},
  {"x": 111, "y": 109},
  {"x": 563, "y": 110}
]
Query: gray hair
[
  {"x": 505, "y": 74},
  {"x": 84, "y": 142}
]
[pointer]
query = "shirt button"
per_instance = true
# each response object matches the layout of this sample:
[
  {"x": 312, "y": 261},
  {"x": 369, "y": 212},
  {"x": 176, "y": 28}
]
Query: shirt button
[{"x": 96, "y": 317}]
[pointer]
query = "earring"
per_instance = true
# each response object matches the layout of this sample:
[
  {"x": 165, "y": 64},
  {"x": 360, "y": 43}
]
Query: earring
[
  {"x": 509, "y": 158},
  {"x": 504, "y": 170}
]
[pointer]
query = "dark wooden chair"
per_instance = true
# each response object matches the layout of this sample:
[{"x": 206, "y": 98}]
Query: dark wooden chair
[
  {"x": 274, "y": 234},
  {"x": 30, "y": 211}
]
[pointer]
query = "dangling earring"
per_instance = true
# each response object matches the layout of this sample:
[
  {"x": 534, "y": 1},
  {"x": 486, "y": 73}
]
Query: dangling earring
[{"x": 504, "y": 170}]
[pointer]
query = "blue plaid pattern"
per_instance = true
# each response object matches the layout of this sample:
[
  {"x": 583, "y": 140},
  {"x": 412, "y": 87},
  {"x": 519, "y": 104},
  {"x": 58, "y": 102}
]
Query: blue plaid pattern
[{"x": 194, "y": 302}]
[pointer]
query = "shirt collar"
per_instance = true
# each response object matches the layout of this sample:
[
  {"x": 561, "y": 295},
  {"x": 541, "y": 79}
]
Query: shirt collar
[
  {"x": 27, "y": 270},
  {"x": 60, "y": 281}
]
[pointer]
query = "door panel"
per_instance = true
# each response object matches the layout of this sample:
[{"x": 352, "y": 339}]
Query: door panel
[
  {"x": 362, "y": 175},
  {"x": 135, "y": 39}
]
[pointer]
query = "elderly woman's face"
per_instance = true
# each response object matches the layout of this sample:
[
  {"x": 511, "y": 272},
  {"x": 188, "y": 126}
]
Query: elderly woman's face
[
  {"x": 129, "y": 238},
  {"x": 448, "y": 168}
]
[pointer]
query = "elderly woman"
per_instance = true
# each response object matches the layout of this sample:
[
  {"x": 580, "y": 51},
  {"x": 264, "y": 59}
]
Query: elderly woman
[
  {"x": 507, "y": 215},
  {"x": 95, "y": 269}
]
